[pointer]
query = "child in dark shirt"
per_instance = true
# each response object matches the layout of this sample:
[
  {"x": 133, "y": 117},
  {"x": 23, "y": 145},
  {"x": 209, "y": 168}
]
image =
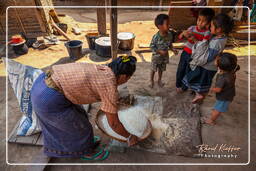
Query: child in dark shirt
[
  {"x": 160, "y": 44},
  {"x": 225, "y": 84}
]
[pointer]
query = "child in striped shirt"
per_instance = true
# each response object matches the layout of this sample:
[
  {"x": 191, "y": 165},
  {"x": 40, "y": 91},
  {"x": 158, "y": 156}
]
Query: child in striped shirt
[{"x": 193, "y": 34}]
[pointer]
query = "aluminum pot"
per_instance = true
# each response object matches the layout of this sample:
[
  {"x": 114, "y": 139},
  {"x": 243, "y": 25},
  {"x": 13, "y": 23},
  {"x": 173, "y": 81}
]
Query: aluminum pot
[
  {"x": 126, "y": 40},
  {"x": 103, "y": 47}
]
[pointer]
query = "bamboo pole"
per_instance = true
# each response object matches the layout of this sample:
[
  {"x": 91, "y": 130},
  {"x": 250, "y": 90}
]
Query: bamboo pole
[{"x": 113, "y": 29}]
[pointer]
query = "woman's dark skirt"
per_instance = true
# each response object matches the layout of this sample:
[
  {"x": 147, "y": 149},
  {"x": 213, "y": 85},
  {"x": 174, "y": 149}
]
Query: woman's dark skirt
[
  {"x": 199, "y": 80},
  {"x": 66, "y": 129}
]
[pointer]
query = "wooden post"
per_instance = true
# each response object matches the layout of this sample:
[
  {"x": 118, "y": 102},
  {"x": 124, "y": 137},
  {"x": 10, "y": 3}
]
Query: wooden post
[
  {"x": 113, "y": 29},
  {"x": 101, "y": 18},
  {"x": 170, "y": 9},
  {"x": 160, "y": 5}
]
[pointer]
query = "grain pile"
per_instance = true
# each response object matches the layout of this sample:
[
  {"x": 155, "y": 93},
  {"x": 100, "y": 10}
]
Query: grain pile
[{"x": 175, "y": 124}]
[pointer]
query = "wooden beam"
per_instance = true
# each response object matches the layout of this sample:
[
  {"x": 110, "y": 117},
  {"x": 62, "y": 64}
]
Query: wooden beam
[
  {"x": 101, "y": 18},
  {"x": 113, "y": 29}
]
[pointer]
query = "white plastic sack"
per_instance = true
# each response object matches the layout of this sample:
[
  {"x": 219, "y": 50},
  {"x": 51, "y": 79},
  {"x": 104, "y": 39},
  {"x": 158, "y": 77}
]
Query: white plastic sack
[
  {"x": 22, "y": 78},
  {"x": 134, "y": 120}
]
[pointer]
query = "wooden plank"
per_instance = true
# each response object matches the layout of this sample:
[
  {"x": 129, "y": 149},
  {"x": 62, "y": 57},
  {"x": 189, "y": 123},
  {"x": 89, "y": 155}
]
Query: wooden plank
[
  {"x": 40, "y": 21},
  {"x": 12, "y": 137},
  {"x": 175, "y": 45},
  {"x": 19, "y": 19},
  {"x": 101, "y": 18},
  {"x": 40, "y": 140},
  {"x": 181, "y": 3},
  {"x": 31, "y": 140},
  {"x": 36, "y": 138},
  {"x": 146, "y": 48},
  {"x": 113, "y": 29},
  {"x": 27, "y": 139}
]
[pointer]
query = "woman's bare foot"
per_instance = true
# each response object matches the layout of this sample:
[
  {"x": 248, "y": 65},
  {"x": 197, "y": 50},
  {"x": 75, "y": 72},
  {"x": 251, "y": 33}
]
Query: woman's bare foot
[
  {"x": 179, "y": 90},
  {"x": 210, "y": 122},
  {"x": 197, "y": 99},
  {"x": 160, "y": 84}
]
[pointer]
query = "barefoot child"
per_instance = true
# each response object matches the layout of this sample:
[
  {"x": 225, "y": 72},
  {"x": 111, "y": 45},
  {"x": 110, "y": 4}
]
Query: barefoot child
[
  {"x": 194, "y": 33},
  {"x": 199, "y": 78},
  {"x": 160, "y": 44},
  {"x": 225, "y": 84}
]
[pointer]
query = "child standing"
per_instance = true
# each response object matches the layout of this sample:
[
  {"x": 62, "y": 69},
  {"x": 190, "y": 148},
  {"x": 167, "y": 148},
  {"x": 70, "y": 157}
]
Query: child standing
[
  {"x": 160, "y": 44},
  {"x": 225, "y": 84},
  {"x": 194, "y": 33},
  {"x": 200, "y": 78}
]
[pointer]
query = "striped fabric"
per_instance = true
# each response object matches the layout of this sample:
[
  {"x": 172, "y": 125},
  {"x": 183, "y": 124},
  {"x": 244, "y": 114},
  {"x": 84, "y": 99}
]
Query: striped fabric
[
  {"x": 84, "y": 83},
  {"x": 199, "y": 35}
]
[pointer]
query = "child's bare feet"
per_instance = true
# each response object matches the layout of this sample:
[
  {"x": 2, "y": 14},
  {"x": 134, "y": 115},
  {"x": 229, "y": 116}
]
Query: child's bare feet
[
  {"x": 160, "y": 84},
  {"x": 179, "y": 90},
  {"x": 210, "y": 122},
  {"x": 197, "y": 99}
]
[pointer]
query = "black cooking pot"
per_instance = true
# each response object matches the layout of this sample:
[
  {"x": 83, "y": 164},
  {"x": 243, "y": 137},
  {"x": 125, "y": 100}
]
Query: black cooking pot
[{"x": 103, "y": 47}]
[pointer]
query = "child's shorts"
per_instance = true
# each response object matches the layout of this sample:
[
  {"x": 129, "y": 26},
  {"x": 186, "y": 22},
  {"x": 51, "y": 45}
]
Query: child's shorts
[
  {"x": 158, "y": 67},
  {"x": 221, "y": 106}
]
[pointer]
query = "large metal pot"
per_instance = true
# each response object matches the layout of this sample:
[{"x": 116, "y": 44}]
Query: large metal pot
[
  {"x": 103, "y": 46},
  {"x": 126, "y": 40}
]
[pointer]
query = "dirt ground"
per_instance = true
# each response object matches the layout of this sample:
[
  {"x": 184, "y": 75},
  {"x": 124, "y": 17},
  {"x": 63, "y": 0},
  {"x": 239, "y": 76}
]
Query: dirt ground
[{"x": 231, "y": 129}]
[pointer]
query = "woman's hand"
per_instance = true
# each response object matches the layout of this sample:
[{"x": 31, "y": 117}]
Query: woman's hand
[
  {"x": 116, "y": 125},
  {"x": 132, "y": 140}
]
